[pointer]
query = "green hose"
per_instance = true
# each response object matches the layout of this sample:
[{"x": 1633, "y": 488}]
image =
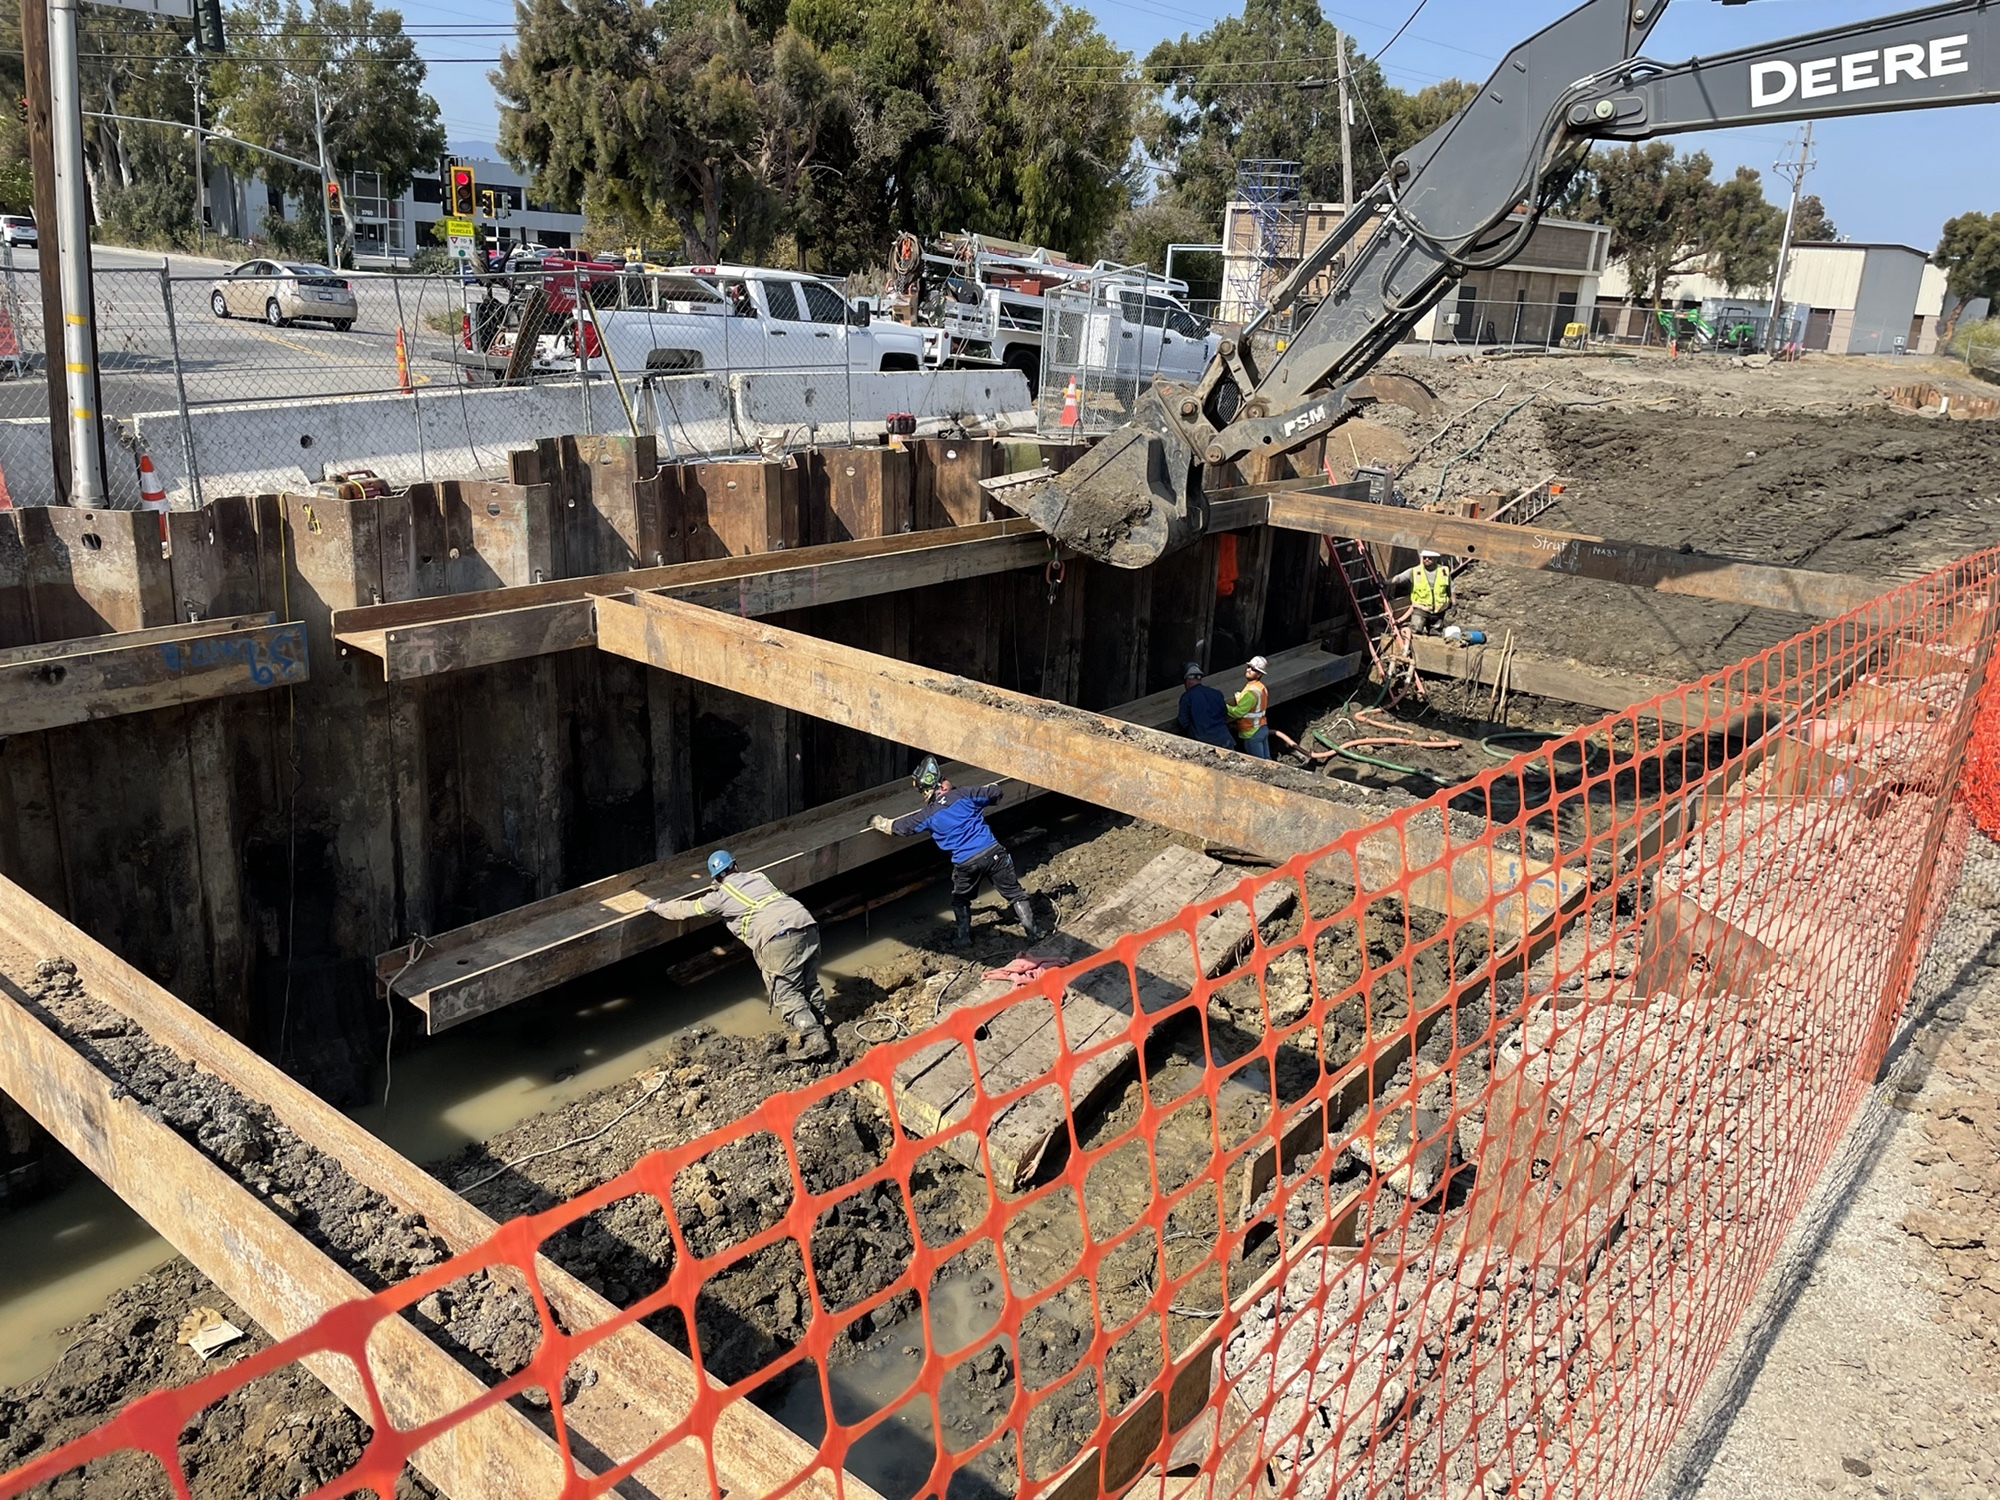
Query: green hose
[{"x": 1539, "y": 737}]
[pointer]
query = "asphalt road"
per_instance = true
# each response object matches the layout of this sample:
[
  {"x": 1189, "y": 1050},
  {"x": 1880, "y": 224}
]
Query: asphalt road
[{"x": 223, "y": 360}]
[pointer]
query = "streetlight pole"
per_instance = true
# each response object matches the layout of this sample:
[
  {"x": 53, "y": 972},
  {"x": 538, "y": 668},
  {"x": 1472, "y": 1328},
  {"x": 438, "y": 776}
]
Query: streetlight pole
[
  {"x": 325, "y": 208},
  {"x": 79, "y": 339}
]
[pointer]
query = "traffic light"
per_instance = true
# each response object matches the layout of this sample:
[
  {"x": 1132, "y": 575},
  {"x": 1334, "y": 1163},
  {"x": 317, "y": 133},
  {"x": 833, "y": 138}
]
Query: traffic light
[
  {"x": 208, "y": 26},
  {"x": 461, "y": 196},
  {"x": 333, "y": 196},
  {"x": 486, "y": 202}
]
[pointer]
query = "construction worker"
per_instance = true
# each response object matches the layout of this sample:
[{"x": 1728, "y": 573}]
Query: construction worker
[
  {"x": 780, "y": 934},
  {"x": 955, "y": 819},
  {"x": 1250, "y": 714},
  {"x": 1204, "y": 713},
  {"x": 1429, "y": 586}
]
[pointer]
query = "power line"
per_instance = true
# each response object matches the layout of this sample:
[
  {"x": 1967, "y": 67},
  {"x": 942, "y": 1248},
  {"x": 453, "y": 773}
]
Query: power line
[{"x": 1404, "y": 27}]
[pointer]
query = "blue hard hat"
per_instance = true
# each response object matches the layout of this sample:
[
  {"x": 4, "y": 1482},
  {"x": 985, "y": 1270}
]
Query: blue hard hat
[{"x": 720, "y": 861}]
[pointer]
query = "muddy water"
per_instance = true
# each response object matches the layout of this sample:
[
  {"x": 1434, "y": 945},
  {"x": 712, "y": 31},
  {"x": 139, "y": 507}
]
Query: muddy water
[
  {"x": 894, "y": 1457},
  {"x": 60, "y": 1258}
]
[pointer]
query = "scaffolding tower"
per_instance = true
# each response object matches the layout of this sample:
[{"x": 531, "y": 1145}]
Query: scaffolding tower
[{"x": 1271, "y": 189}]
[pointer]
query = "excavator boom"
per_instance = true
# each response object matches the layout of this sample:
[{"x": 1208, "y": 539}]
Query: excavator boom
[{"x": 1467, "y": 198}]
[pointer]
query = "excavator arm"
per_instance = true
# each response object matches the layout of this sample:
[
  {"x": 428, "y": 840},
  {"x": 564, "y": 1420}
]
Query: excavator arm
[{"x": 1466, "y": 199}]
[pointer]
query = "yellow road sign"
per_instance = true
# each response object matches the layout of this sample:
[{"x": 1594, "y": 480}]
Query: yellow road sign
[{"x": 461, "y": 228}]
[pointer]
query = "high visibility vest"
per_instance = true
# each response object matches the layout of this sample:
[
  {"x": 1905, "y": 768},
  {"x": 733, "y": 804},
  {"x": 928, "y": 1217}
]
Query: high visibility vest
[
  {"x": 1430, "y": 588},
  {"x": 752, "y": 903},
  {"x": 1253, "y": 721}
]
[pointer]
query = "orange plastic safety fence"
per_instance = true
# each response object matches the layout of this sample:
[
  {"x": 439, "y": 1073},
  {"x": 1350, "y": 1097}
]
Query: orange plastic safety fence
[
  {"x": 1982, "y": 763},
  {"x": 1441, "y": 1162}
]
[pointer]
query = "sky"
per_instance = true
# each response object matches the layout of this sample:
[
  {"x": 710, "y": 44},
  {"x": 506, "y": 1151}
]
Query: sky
[{"x": 1885, "y": 177}]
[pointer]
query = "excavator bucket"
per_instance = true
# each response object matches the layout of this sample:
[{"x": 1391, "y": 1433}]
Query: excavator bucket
[{"x": 1130, "y": 501}]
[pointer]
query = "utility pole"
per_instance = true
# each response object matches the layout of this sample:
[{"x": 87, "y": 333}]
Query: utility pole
[
  {"x": 1796, "y": 172},
  {"x": 42, "y": 165},
  {"x": 1346, "y": 129},
  {"x": 200, "y": 181},
  {"x": 72, "y": 218},
  {"x": 325, "y": 207}
]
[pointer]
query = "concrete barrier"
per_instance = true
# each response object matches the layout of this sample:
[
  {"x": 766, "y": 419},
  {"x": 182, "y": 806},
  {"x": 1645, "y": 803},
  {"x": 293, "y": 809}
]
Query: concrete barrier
[
  {"x": 782, "y": 407},
  {"x": 432, "y": 434},
  {"x": 256, "y": 448},
  {"x": 29, "y": 478}
]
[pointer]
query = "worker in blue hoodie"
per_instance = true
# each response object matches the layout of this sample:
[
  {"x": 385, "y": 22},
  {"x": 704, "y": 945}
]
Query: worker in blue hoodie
[{"x": 955, "y": 818}]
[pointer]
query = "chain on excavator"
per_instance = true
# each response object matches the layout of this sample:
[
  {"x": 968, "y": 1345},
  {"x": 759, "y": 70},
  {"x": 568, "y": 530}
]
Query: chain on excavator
[{"x": 1467, "y": 198}]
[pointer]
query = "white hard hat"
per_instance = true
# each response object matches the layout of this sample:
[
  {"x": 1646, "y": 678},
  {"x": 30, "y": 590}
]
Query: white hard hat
[
  {"x": 1258, "y": 664},
  {"x": 1430, "y": 552}
]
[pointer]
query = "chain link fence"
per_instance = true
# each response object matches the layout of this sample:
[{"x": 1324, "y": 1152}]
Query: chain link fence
[
  {"x": 1978, "y": 344},
  {"x": 280, "y": 375}
]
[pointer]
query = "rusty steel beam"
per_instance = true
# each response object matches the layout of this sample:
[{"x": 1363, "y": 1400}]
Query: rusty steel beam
[
  {"x": 271, "y": 1270},
  {"x": 644, "y": 1384},
  {"x": 501, "y": 959},
  {"x": 1730, "y": 580},
  {"x": 1159, "y": 777},
  {"x": 102, "y": 677},
  {"x": 427, "y": 637}
]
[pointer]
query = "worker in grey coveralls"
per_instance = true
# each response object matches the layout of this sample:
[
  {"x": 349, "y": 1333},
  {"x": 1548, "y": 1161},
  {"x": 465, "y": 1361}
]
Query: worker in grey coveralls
[{"x": 780, "y": 934}]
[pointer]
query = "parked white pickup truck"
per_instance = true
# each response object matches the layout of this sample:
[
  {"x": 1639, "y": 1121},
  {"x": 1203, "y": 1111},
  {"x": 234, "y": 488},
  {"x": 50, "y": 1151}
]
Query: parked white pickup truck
[{"x": 739, "y": 318}]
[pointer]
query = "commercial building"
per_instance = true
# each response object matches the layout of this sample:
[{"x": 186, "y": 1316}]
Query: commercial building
[
  {"x": 1531, "y": 301},
  {"x": 388, "y": 231},
  {"x": 1844, "y": 298}
]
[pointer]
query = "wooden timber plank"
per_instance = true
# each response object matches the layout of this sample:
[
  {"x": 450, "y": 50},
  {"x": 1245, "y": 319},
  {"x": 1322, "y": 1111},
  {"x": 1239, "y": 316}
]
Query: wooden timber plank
[
  {"x": 103, "y": 677},
  {"x": 1704, "y": 575},
  {"x": 266, "y": 1266},
  {"x": 1134, "y": 770},
  {"x": 508, "y": 957},
  {"x": 644, "y": 1384},
  {"x": 935, "y": 1088}
]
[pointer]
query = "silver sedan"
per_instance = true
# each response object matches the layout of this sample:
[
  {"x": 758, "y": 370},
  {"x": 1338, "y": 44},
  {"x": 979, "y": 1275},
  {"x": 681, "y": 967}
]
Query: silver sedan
[{"x": 284, "y": 291}]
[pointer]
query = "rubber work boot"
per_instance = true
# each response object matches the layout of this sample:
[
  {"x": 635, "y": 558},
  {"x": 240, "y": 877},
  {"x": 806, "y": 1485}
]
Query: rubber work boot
[
  {"x": 963, "y": 938},
  {"x": 810, "y": 1044},
  {"x": 1025, "y": 910}
]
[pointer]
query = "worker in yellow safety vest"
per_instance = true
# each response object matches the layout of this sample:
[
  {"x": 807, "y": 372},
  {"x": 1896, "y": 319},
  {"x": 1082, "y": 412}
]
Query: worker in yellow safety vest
[
  {"x": 780, "y": 934},
  {"x": 1250, "y": 712},
  {"x": 1429, "y": 586}
]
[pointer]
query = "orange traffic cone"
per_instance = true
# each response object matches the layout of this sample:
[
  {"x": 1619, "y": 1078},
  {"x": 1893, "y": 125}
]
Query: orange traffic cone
[
  {"x": 402, "y": 361},
  {"x": 1071, "y": 413},
  {"x": 152, "y": 494}
]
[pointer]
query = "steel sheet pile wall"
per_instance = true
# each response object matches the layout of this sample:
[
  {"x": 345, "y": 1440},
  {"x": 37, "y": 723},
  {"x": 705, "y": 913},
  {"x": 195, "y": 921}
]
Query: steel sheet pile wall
[
  {"x": 1506, "y": 1190},
  {"x": 254, "y": 855}
]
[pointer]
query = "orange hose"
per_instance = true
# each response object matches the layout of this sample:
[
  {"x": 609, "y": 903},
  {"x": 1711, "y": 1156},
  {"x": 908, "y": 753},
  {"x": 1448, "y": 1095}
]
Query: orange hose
[{"x": 1407, "y": 743}]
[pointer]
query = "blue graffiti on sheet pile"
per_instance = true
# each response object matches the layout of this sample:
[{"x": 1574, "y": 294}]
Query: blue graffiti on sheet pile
[{"x": 278, "y": 657}]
